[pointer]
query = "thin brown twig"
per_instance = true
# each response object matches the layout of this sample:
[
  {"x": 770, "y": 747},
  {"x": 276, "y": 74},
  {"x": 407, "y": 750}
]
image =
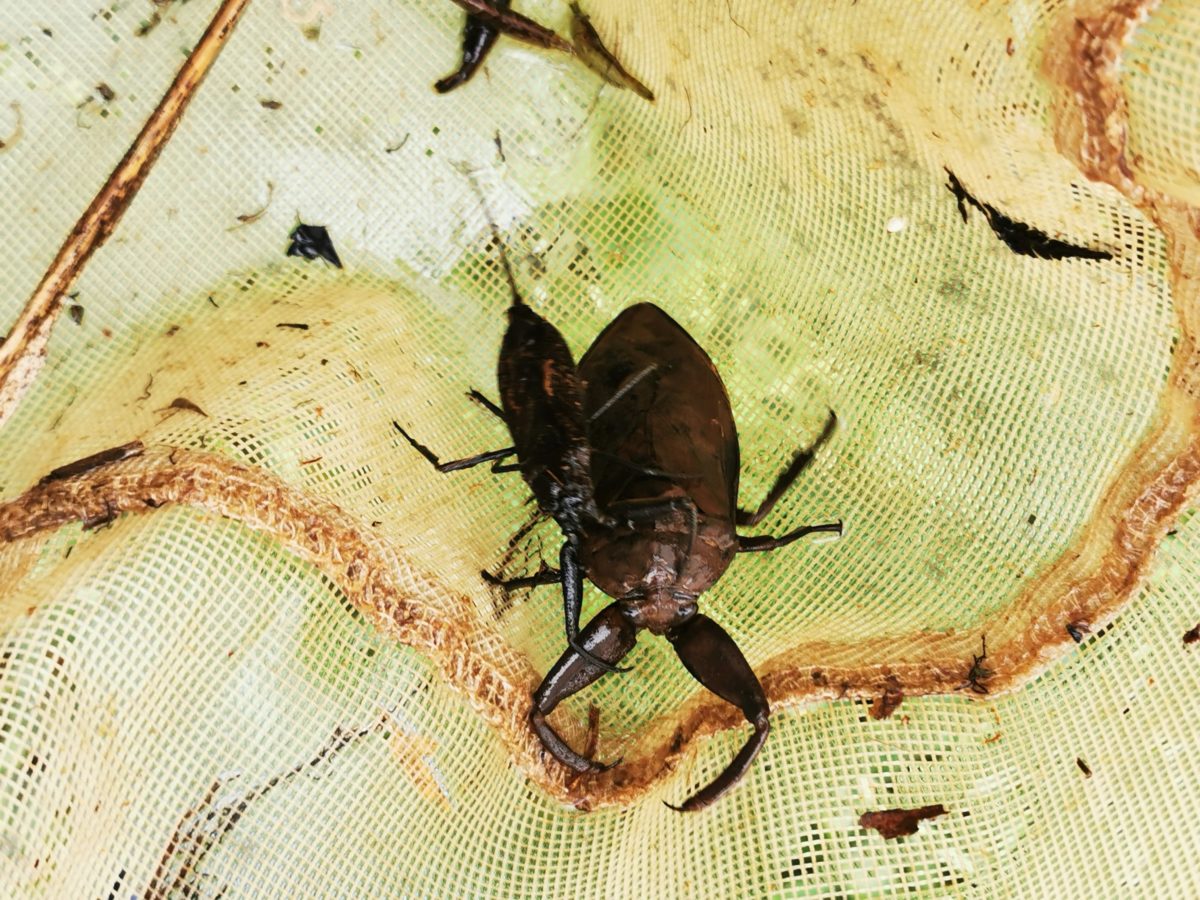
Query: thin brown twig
[{"x": 22, "y": 353}]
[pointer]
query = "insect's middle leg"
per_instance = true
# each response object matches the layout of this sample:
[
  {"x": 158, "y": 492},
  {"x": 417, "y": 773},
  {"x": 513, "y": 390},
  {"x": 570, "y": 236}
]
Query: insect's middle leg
[
  {"x": 608, "y": 637},
  {"x": 492, "y": 456}
]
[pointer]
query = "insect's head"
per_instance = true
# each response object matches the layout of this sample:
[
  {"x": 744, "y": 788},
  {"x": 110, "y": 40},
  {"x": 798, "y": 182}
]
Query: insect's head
[{"x": 658, "y": 610}]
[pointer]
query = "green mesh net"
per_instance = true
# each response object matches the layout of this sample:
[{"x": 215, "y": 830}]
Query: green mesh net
[{"x": 258, "y": 657}]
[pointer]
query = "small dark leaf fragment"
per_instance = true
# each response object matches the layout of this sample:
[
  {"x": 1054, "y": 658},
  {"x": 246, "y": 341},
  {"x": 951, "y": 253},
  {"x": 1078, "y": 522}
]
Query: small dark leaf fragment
[
  {"x": 185, "y": 404},
  {"x": 1017, "y": 236},
  {"x": 894, "y": 823},
  {"x": 75, "y": 311},
  {"x": 1083, "y": 767},
  {"x": 1077, "y": 630},
  {"x": 105, "y": 91},
  {"x": 300, "y": 326},
  {"x": 312, "y": 242},
  {"x": 1192, "y": 635},
  {"x": 95, "y": 461},
  {"x": 269, "y": 104},
  {"x": 885, "y": 704}
]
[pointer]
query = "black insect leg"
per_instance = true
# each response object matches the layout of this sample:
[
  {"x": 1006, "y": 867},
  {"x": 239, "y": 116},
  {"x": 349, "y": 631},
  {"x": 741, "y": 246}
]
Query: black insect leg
[
  {"x": 714, "y": 660},
  {"x": 492, "y": 456},
  {"x": 571, "y": 574},
  {"x": 545, "y": 575},
  {"x": 608, "y": 637},
  {"x": 761, "y": 542},
  {"x": 799, "y": 463},
  {"x": 490, "y": 405}
]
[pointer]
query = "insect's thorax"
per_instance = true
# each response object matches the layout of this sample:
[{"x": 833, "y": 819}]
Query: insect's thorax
[{"x": 658, "y": 568}]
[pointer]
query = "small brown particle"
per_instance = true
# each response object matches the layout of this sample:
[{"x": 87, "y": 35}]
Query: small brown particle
[
  {"x": 885, "y": 704},
  {"x": 1192, "y": 635},
  {"x": 1009, "y": 48},
  {"x": 172, "y": 331},
  {"x": 309, "y": 462},
  {"x": 894, "y": 823},
  {"x": 185, "y": 404},
  {"x": 105, "y": 91},
  {"x": 1083, "y": 767},
  {"x": 75, "y": 311},
  {"x": 270, "y": 104},
  {"x": 262, "y": 344}
]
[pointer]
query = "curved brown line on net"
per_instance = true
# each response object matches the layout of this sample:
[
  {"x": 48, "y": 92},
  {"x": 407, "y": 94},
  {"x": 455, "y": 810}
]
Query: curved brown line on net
[
  {"x": 24, "y": 349},
  {"x": 415, "y": 609}
]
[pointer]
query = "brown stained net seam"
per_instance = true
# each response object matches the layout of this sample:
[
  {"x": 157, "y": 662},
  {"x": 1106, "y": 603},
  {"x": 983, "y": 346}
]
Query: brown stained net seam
[{"x": 413, "y": 608}]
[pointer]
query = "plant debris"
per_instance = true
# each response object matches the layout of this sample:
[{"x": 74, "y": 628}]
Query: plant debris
[
  {"x": 251, "y": 218},
  {"x": 1077, "y": 630},
  {"x": 978, "y": 673},
  {"x": 1017, "y": 236},
  {"x": 1192, "y": 635},
  {"x": 312, "y": 242},
  {"x": 1083, "y": 767},
  {"x": 75, "y": 311},
  {"x": 599, "y": 59},
  {"x": 185, "y": 404},
  {"x": 95, "y": 461},
  {"x": 270, "y": 104},
  {"x": 886, "y": 703},
  {"x": 300, "y": 326},
  {"x": 895, "y": 823}
]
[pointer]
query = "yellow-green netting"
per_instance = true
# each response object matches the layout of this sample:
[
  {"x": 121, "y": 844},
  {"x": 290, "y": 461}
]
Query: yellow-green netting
[{"x": 259, "y": 658}]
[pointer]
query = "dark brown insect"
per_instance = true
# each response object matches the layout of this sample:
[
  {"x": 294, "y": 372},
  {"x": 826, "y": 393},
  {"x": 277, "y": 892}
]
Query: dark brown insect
[{"x": 635, "y": 455}]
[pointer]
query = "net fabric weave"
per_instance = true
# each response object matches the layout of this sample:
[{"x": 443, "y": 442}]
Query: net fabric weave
[{"x": 279, "y": 669}]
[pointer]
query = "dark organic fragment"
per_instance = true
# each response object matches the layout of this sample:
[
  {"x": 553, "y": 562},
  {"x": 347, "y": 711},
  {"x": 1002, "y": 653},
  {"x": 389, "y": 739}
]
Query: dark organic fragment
[
  {"x": 478, "y": 37},
  {"x": 1083, "y": 767},
  {"x": 270, "y": 104},
  {"x": 885, "y": 704},
  {"x": 978, "y": 673},
  {"x": 312, "y": 242},
  {"x": 1077, "y": 630},
  {"x": 895, "y": 823},
  {"x": 299, "y": 326},
  {"x": 185, "y": 404},
  {"x": 599, "y": 58},
  {"x": 1017, "y": 236},
  {"x": 75, "y": 311},
  {"x": 1192, "y": 635},
  {"x": 98, "y": 521},
  {"x": 95, "y": 461}
]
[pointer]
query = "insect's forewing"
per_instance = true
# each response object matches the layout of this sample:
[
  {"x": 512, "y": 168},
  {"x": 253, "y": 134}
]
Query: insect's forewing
[
  {"x": 670, "y": 424},
  {"x": 542, "y": 401}
]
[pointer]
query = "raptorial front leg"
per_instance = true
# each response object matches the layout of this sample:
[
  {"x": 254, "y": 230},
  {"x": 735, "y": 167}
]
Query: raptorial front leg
[
  {"x": 571, "y": 574},
  {"x": 714, "y": 660},
  {"x": 608, "y": 637}
]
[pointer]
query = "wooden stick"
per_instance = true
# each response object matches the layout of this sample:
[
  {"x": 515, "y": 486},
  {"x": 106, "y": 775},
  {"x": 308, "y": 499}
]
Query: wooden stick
[{"x": 24, "y": 350}]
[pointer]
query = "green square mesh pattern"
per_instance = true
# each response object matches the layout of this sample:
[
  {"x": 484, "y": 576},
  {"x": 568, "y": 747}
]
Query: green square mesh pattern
[{"x": 189, "y": 708}]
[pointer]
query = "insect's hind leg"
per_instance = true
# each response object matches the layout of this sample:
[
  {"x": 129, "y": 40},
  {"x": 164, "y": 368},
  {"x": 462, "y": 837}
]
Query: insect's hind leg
[
  {"x": 492, "y": 456},
  {"x": 801, "y": 461}
]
